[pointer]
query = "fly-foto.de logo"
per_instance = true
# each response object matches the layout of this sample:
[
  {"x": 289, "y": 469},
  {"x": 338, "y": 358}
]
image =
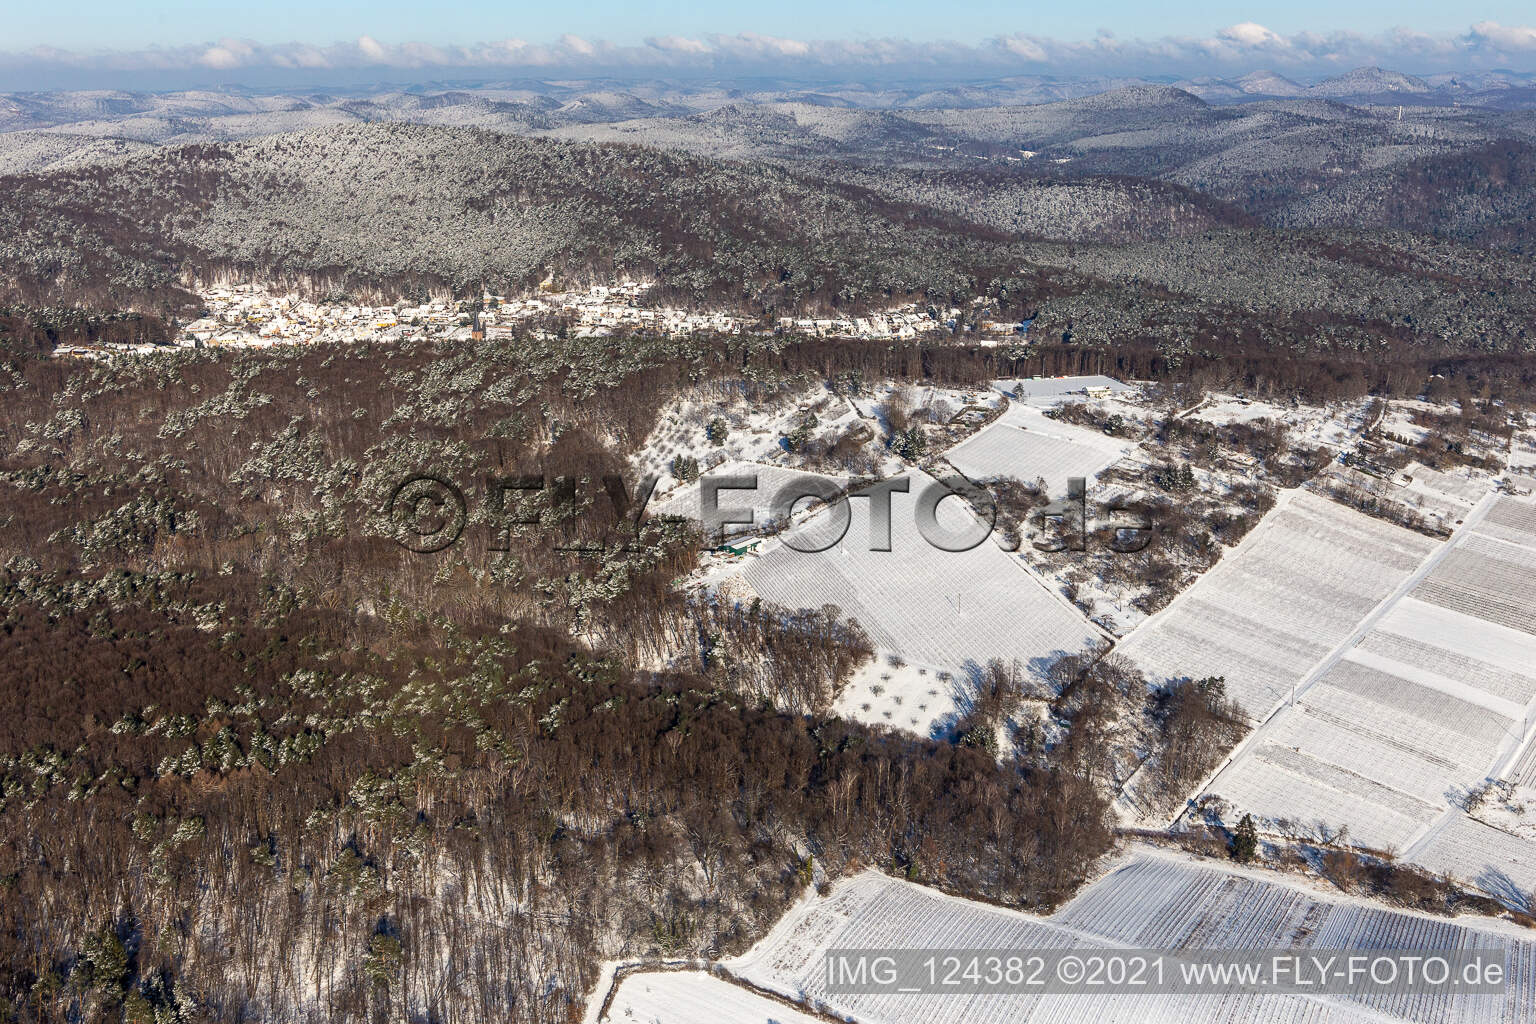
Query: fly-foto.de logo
[
  {"x": 1060, "y": 525},
  {"x": 429, "y": 512}
]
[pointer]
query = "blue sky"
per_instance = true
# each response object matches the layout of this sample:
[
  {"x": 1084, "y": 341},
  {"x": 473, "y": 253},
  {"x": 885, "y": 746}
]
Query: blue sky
[
  {"x": 113, "y": 24},
  {"x": 70, "y": 44}
]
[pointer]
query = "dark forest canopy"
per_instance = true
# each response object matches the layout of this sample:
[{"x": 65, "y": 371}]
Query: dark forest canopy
[
  {"x": 241, "y": 720},
  {"x": 259, "y": 760},
  {"x": 248, "y": 741},
  {"x": 395, "y": 212}
]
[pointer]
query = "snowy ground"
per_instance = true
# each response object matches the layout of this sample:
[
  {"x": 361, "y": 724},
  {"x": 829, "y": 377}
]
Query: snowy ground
[
  {"x": 1271, "y": 608},
  {"x": 1148, "y": 899},
  {"x": 1398, "y": 422},
  {"x": 1483, "y": 857},
  {"x": 936, "y": 617},
  {"x": 1023, "y": 443},
  {"x": 940, "y": 611},
  {"x": 1225, "y": 410},
  {"x": 754, "y": 433},
  {"x": 1442, "y": 500},
  {"x": 1522, "y": 455},
  {"x": 1434, "y": 693},
  {"x": 1045, "y": 392},
  {"x": 919, "y": 698},
  {"x": 773, "y": 482},
  {"x": 944, "y": 402},
  {"x": 693, "y": 997},
  {"x": 1462, "y": 485},
  {"x": 1151, "y": 899},
  {"x": 1336, "y": 426}
]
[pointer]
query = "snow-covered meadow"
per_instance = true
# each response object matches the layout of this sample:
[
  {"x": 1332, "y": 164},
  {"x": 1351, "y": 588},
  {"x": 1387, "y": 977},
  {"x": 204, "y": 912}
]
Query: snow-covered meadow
[
  {"x": 1026, "y": 445},
  {"x": 946, "y": 613}
]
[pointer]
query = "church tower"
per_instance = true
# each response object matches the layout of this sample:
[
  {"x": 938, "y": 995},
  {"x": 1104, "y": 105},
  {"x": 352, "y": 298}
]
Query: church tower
[{"x": 477, "y": 324}]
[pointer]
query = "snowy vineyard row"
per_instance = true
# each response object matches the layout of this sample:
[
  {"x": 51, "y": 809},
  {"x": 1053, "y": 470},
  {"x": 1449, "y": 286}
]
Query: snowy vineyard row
[
  {"x": 1291, "y": 591},
  {"x": 1421, "y": 700},
  {"x": 1152, "y": 900}
]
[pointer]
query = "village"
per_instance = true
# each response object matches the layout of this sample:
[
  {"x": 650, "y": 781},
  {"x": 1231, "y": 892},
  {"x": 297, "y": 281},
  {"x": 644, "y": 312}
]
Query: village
[{"x": 252, "y": 315}]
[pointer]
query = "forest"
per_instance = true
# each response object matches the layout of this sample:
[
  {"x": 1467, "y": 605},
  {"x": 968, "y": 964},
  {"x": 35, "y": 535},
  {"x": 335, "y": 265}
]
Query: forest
[
  {"x": 260, "y": 761},
  {"x": 396, "y": 212}
]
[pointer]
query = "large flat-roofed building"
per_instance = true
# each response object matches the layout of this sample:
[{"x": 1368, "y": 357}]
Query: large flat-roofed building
[{"x": 1055, "y": 389}]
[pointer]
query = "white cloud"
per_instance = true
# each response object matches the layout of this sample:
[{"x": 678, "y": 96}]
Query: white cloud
[
  {"x": 219, "y": 57},
  {"x": 679, "y": 44},
  {"x": 1025, "y": 47},
  {"x": 1509, "y": 40},
  {"x": 1235, "y": 49},
  {"x": 759, "y": 45},
  {"x": 1251, "y": 34},
  {"x": 373, "y": 50}
]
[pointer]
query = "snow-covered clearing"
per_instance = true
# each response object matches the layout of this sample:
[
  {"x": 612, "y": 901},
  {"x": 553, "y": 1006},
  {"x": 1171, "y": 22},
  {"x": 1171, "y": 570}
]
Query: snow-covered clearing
[
  {"x": 1153, "y": 899},
  {"x": 1335, "y": 426},
  {"x": 1025, "y": 444},
  {"x": 920, "y": 698},
  {"x": 754, "y": 433},
  {"x": 693, "y": 997},
  {"x": 947, "y": 611},
  {"x": 1227, "y": 410},
  {"x": 1044, "y": 392}
]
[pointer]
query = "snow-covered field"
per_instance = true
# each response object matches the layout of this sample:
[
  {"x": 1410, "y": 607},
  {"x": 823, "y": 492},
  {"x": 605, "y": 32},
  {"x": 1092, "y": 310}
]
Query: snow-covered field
[
  {"x": 1291, "y": 591},
  {"x": 1524, "y": 771},
  {"x": 1154, "y": 899},
  {"x": 693, "y": 997},
  {"x": 1399, "y": 729},
  {"x": 1479, "y": 855},
  {"x": 947, "y": 611},
  {"x": 1437, "y": 696},
  {"x": 1025, "y": 444},
  {"x": 1488, "y": 577}
]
